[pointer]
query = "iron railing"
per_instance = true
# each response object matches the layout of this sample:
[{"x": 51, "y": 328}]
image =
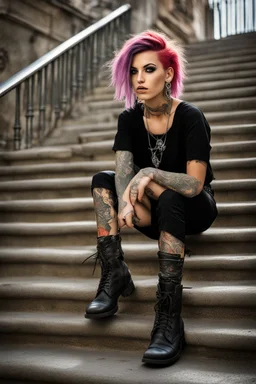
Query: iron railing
[
  {"x": 47, "y": 89},
  {"x": 233, "y": 17}
]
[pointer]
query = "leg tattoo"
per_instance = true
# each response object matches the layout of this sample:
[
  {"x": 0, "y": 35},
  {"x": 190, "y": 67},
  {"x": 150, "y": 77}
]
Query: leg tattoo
[
  {"x": 106, "y": 216},
  {"x": 170, "y": 244}
]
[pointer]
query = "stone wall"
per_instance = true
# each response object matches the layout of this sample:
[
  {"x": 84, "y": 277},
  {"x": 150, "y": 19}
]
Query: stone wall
[
  {"x": 185, "y": 20},
  {"x": 29, "y": 28}
]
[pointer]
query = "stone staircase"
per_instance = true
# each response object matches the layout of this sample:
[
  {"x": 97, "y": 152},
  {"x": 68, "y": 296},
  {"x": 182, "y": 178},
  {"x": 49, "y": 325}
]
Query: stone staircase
[{"x": 48, "y": 229}]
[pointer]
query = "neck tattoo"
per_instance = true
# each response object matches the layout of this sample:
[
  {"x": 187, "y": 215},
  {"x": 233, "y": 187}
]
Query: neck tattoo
[
  {"x": 164, "y": 109},
  {"x": 159, "y": 148}
]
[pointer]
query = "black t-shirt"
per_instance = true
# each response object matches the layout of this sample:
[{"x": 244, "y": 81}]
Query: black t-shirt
[{"x": 187, "y": 139}]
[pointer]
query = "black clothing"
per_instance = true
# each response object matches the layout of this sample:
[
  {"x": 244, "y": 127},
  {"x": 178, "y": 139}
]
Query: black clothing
[
  {"x": 172, "y": 212},
  {"x": 187, "y": 139}
]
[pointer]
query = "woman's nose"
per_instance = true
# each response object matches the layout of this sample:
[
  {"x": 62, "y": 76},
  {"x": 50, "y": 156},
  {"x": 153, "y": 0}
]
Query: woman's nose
[{"x": 140, "y": 77}]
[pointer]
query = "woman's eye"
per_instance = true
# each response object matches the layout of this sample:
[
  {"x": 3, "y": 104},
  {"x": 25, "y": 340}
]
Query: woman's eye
[
  {"x": 150, "y": 69},
  {"x": 133, "y": 71}
]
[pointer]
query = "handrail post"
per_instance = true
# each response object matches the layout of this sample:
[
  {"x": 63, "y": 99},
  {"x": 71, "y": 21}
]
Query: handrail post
[{"x": 17, "y": 125}]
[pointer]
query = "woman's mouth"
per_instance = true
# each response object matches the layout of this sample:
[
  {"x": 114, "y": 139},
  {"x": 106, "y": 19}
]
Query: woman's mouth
[{"x": 141, "y": 89}]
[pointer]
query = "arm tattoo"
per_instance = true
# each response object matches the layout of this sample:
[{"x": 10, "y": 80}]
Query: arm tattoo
[
  {"x": 197, "y": 161},
  {"x": 180, "y": 182},
  {"x": 124, "y": 174}
]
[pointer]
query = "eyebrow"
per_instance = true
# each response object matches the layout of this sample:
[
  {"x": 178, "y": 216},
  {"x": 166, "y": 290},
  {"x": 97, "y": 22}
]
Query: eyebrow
[{"x": 145, "y": 66}]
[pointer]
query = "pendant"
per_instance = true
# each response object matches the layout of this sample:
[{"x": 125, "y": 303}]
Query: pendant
[
  {"x": 160, "y": 145},
  {"x": 155, "y": 161}
]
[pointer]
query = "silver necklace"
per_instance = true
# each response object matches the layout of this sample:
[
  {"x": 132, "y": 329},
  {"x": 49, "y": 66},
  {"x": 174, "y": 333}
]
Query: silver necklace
[{"x": 159, "y": 148}]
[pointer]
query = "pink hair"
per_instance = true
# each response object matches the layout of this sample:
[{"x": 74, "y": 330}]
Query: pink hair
[{"x": 169, "y": 53}]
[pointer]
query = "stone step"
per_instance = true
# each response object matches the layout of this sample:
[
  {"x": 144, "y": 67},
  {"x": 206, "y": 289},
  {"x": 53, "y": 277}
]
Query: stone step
[
  {"x": 94, "y": 132},
  {"x": 226, "y": 43},
  {"x": 101, "y": 150},
  {"x": 227, "y": 117},
  {"x": 211, "y": 84},
  {"x": 225, "y": 190},
  {"x": 205, "y": 299},
  {"x": 234, "y": 132},
  {"x": 226, "y": 149},
  {"x": 82, "y": 138},
  {"x": 75, "y": 209},
  {"x": 239, "y": 73},
  {"x": 222, "y": 104},
  {"x": 80, "y": 366},
  {"x": 195, "y": 94},
  {"x": 83, "y": 233},
  {"x": 89, "y": 150},
  {"x": 69, "y": 127},
  {"x": 234, "y": 168},
  {"x": 40, "y": 155},
  {"x": 228, "y": 67},
  {"x": 132, "y": 331},
  {"x": 221, "y": 84},
  {"x": 94, "y": 150},
  {"x": 231, "y": 117},
  {"x": 227, "y": 54},
  {"x": 53, "y": 170},
  {"x": 97, "y": 136},
  {"x": 223, "y": 168},
  {"x": 195, "y": 97},
  {"x": 141, "y": 258},
  {"x": 204, "y": 62}
]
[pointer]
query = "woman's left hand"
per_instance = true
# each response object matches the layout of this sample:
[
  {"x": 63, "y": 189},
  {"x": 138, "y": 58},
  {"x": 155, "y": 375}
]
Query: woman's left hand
[{"x": 137, "y": 187}]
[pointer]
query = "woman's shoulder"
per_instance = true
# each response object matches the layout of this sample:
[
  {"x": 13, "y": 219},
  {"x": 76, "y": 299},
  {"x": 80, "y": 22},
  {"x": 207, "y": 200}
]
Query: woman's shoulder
[
  {"x": 131, "y": 113},
  {"x": 189, "y": 110}
]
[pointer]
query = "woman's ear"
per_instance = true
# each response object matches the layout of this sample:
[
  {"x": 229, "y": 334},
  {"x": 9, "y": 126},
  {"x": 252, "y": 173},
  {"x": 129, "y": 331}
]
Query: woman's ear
[{"x": 169, "y": 74}]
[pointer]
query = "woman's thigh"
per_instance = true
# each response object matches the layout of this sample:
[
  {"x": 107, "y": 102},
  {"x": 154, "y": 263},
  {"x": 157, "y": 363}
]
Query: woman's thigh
[{"x": 200, "y": 212}]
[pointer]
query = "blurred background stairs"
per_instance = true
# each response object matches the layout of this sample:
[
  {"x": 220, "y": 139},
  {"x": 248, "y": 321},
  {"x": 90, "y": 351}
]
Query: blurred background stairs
[{"x": 48, "y": 229}]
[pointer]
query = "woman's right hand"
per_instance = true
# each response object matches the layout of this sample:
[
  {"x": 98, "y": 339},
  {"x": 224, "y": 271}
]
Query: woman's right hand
[{"x": 125, "y": 216}]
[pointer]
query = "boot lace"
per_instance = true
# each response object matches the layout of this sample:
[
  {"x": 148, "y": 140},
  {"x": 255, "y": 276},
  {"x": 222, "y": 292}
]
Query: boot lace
[
  {"x": 96, "y": 256},
  {"x": 106, "y": 270},
  {"x": 163, "y": 309}
]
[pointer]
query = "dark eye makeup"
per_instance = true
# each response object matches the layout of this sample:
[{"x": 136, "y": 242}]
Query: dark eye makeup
[{"x": 148, "y": 69}]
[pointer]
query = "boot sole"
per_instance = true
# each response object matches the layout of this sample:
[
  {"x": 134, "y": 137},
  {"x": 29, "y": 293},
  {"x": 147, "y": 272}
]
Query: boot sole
[{"x": 162, "y": 362}]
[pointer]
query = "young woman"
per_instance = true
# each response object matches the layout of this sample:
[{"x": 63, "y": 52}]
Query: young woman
[{"x": 161, "y": 185}]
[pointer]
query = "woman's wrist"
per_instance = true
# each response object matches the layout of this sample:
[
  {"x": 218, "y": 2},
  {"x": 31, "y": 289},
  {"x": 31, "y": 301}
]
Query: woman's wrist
[{"x": 149, "y": 171}]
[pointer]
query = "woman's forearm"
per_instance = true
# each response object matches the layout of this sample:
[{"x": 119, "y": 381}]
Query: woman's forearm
[
  {"x": 124, "y": 174},
  {"x": 182, "y": 183}
]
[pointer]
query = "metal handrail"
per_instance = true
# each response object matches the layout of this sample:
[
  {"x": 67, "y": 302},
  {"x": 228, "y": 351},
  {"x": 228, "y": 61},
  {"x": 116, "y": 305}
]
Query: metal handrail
[{"x": 73, "y": 66}]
